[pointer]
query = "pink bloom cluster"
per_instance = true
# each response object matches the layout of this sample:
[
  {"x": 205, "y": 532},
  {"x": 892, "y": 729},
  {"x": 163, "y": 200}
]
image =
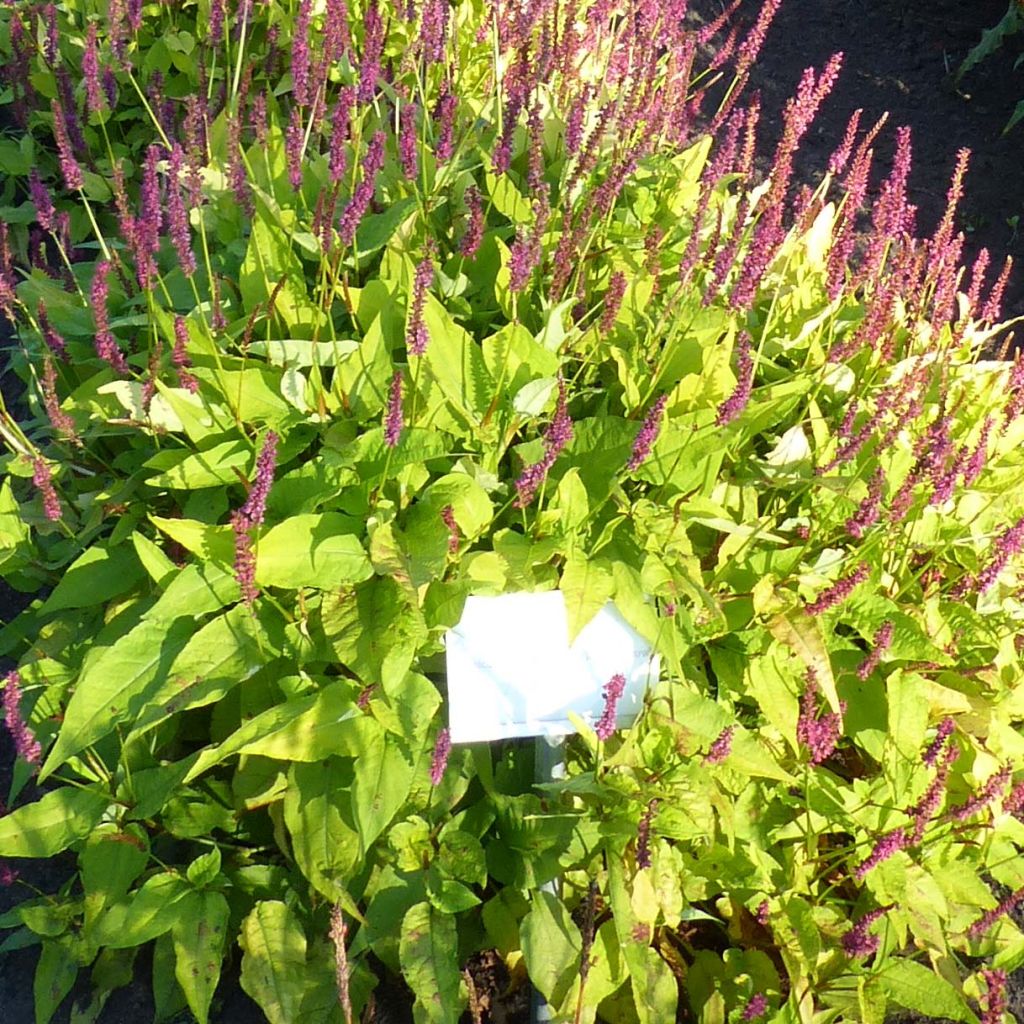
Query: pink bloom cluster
[
  {"x": 722, "y": 746},
  {"x": 644, "y": 440},
  {"x": 613, "y": 690},
  {"x": 245, "y": 519},
  {"x": 883, "y": 641},
  {"x": 26, "y": 745},
  {"x": 858, "y": 941},
  {"x": 839, "y": 591},
  {"x": 737, "y": 401},
  {"x": 643, "y": 835},
  {"x": 995, "y": 1001},
  {"x": 558, "y": 435},
  {"x": 989, "y": 918},
  {"x": 416, "y": 334},
  {"x": 944, "y": 731},
  {"x": 44, "y": 482},
  {"x": 757, "y": 1006},
  {"x": 393, "y": 413},
  {"x": 887, "y": 846},
  {"x": 448, "y": 518},
  {"x": 818, "y": 732},
  {"x": 439, "y": 760},
  {"x": 993, "y": 787}
]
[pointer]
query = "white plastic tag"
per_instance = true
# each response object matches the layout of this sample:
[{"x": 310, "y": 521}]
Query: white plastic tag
[{"x": 511, "y": 671}]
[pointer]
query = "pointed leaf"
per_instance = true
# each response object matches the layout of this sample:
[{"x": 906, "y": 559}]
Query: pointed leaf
[
  {"x": 198, "y": 935},
  {"x": 52, "y": 823},
  {"x": 429, "y": 956},
  {"x": 274, "y": 961}
]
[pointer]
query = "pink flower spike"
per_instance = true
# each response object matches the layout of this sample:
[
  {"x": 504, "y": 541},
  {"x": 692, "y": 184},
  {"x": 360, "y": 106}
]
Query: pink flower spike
[
  {"x": 448, "y": 518},
  {"x": 393, "y": 415},
  {"x": 439, "y": 761},
  {"x": 722, "y": 747},
  {"x": 644, "y": 441},
  {"x": 26, "y": 745},
  {"x": 731, "y": 408},
  {"x": 44, "y": 481},
  {"x": 839, "y": 591},
  {"x": 613, "y": 690}
]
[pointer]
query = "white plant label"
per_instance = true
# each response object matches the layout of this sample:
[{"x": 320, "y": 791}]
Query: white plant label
[{"x": 512, "y": 672}]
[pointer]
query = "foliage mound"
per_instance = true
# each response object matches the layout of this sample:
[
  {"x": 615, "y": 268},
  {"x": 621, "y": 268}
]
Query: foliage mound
[{"x": 329, "y": 319}]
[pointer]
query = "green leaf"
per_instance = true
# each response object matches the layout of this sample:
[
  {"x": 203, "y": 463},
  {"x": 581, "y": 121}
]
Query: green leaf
[
  {"x": 332, "y": 724},
  {"x": 160, "y": 568},
  {"x": 198, "y": 934},
  {"x": 274, "y": 961},
  {"x": 96, "y": 576},
  {"x": 456, "y": 363},
  {"x": 148, "y": 912},
  {"x": 654, "y": 989},
  {"x": 375, "y": 231},
  {"x": 109, "y": 862},
  {"x": 915, "y": 987},
  {"x": 802, "y": 634},
  {"x": 317, "y": 550},
  {"x": 507, "y": 199},
  {"x": 228, "y": 650},
  {"x": 56, "y": 972},
  {"x": 551, "y": 948},
  {"x": 52, "y": 823},
  {"x": 195, "y": 591},
  {"x": 429, "y": 956},
  {"x": 270, "y": 261},
  {"x": 299, "y": 352},
  {"x": 215, "y": 466},
  {"x": 587, "y": 586},
  {"x": 317, "y": 814},
  {"x": 381, "y": 787},
  {"x": 210, "y": 543}
]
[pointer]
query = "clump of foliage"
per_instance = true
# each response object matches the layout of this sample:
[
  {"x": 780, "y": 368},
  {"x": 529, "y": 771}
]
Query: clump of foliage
[
  {"x": 992, "y": 40},
  {"x": 331, "y": 317}
]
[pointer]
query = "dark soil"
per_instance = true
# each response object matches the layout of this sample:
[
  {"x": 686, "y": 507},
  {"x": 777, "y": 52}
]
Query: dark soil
[{"x": 899, "y": 57}]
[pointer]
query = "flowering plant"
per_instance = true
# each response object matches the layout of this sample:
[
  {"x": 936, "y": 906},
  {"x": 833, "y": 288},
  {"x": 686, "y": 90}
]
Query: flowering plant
[{"x": 475, "y": 299}]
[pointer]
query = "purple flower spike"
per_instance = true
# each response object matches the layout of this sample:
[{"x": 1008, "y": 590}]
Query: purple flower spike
[
  {"x": 558, "y": 435},
  {"x": 245, "y": 557},
  {"x": 41, "y": 199},
  {"x": 731, "y": 408},
  {"x": 53, "y": 340},
  {"x": 839, "y": 591},
  {"x": 945, "y": 730},
  {"x": 889, "y": 845},
  {"x": 106, "y": 344},
  {"x": 408, "y": 141},
  {"x": 42, "y": 478},
  {"x": 995, "y": 998},
  {"x": 756, "y": 1007},
  {"x": 439, "y": 761},
  {"x": 177, "y": 215},
  {"x": 475, "y": 226},
  {"x": 722, "y": 747},
  {"x": 643, "y": 836},
  {"x": 68, "y": 164},
  {"x": 448, "y": 518},
  {"x": 613, "y": 690},
  {"x": 393, "y": 416},
  {"x": 26, "y": 745},
  {"x": 819, "y": 733},
  {"x": 858, "y": 942},
  {"x": 255, "y": 505},
  {"x": 644, "y": 441},
  {"x": 179, "y": 356},
  {"x": 883, "y": 641},
  {"x": 416, "y": 334}
]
